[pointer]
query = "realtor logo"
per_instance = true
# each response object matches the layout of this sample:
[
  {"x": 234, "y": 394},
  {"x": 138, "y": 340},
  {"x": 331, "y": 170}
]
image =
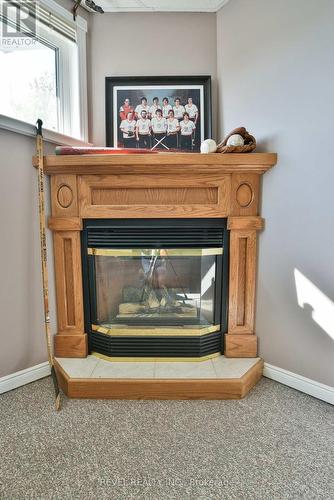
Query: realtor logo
[{"x": 18, "y": 26}]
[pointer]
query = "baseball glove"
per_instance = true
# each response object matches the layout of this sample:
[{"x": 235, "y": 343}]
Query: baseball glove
[{"x": 249, "y": 145}]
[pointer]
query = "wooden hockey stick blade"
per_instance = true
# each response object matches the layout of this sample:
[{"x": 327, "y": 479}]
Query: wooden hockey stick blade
[{"x": 56, "y": 387}]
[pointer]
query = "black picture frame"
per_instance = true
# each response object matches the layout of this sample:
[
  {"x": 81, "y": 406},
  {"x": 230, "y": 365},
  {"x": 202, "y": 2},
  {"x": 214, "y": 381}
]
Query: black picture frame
[{"x": 199, "y": 85}]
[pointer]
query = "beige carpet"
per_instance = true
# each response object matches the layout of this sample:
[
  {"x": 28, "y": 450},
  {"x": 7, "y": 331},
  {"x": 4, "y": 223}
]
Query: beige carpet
[{"x": 275, "y": 444}]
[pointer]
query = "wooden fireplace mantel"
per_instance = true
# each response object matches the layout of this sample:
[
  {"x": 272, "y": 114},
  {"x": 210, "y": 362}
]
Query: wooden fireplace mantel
[
  {"x": 158, "y": 163},
  {"x": 166, "y": 185}
]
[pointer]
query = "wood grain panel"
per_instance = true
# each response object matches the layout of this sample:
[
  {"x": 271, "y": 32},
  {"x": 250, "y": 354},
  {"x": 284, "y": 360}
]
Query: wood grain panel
[
  {"x": 155, "y": 389},
  {"x": 245, "y": 194},
  {"x": 68, "y": 281},
  {"x": 65, "y": 224},
  {"x": 252, "y": 377},
  {"x": 153, "y": 196},
  {"x": 64, "y": 195},
  {"x": 240, "y": 346},
  {"x": 245, "y": 222},
  {"x": 242, "y": 281},
  {"x": 71, "y": 346}
]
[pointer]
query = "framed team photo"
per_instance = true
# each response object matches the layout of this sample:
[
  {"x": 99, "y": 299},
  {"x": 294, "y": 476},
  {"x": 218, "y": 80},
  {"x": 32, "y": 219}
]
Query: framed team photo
[{"x": 171, "y": 113}]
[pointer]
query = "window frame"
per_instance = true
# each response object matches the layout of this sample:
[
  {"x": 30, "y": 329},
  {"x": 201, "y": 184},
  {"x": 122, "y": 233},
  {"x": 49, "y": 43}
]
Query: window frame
[{"x": 64, "y": 114}]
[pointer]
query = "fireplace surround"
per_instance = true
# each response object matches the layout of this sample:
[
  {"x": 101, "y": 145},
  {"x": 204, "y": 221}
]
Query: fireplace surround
[{"x": 162, "y": 186}]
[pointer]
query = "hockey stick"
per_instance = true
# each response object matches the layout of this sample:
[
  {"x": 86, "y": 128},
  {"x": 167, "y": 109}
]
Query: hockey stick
[
  {"x": 44, "y": 261},
  {"x": 160, "y": 142}
]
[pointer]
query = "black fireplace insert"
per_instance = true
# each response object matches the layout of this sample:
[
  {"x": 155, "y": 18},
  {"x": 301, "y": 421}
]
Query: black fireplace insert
[{"x": 155, "y": 288}]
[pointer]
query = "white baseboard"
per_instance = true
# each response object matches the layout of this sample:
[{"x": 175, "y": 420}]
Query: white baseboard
[
  {"x": 302, "y": 384},
  {"x": 23, "y": 377}
]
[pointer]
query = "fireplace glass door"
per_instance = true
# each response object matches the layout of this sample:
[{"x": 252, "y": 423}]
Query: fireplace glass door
[
  {"x": 155, "y": 287},
  {"x": 138, "y": 287}
]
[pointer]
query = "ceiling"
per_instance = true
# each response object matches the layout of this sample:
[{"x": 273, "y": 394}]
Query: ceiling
[{"x": 161, "y": 5}]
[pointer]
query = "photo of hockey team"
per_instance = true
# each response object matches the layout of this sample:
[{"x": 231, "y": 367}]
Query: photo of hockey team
[{"x": 159, "y": 117}]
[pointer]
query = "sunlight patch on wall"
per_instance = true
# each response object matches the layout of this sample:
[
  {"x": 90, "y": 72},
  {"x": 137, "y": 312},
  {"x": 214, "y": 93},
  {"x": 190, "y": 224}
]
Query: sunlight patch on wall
[{"x": 322, "y": 307}]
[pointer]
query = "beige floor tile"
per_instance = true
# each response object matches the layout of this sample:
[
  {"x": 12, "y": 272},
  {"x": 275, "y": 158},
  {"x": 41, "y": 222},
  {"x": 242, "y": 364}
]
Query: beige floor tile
[
  {"x": 120, "y": 369},
  {"x": 201, "y": 369},
  {"x": 93, "y": 367},
  {"x": 232, "y": 367},
  {"x": 78, "y": 367}
]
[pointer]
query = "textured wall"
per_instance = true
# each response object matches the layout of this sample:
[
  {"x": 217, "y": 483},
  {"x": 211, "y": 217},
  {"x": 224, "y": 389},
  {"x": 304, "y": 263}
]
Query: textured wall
[
  {"x": 151, "y": 44},
  {"x": 22, "y": 342},
  {"x": 276, "y": 73}
]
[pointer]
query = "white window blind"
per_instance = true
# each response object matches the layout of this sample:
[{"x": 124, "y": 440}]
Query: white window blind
[{"x": 26, "y": 16}]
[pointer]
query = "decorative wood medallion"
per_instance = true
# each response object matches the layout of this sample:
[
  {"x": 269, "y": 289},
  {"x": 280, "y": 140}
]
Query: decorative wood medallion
[
  {"x": 64, "y": 196},
  {"x": 244, "y": 195}
]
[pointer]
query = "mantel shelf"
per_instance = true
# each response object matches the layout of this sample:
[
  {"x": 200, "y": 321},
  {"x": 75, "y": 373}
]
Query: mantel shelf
[{"x": 215, "y": 163}]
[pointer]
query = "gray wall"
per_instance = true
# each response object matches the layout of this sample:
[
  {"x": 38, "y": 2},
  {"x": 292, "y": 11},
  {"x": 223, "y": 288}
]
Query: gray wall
[
  {"x": 125, "y": 44},
  {"x": 22, "y": 342},
  {"x": 276, "y": 73},
  {"x": 21, "y": 305}
]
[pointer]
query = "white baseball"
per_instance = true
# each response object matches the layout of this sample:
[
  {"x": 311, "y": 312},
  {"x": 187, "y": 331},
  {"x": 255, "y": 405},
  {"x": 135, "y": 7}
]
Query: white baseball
[
  {"x": 235, "y": 140},
  {"x": 208, "y": 146}
]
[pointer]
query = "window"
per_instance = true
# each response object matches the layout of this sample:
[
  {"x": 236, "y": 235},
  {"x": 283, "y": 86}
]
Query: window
[
  {"x": 42, "y": 67},
  {"x": 28, "y": 85}
]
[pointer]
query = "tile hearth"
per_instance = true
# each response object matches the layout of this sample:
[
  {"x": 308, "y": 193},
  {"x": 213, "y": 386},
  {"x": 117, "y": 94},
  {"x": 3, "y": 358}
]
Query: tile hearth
[
  {"x": 217, "y": 368},
  {"x": 216, "y": 378}
]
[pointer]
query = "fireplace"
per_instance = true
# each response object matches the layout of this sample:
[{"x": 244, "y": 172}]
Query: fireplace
[
  {"x": 148, "y": 252},
  {"x": 155, "y": 287},
  {"x": 104, "y": 204}
]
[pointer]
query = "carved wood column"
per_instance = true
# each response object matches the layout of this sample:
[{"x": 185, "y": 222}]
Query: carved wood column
[
  {"x": 71, "y": 340},
  {"x": 241, "y": 341}
]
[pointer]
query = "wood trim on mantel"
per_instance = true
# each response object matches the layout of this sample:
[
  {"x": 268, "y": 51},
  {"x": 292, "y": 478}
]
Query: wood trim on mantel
[
  {"x": 215, "y": 163},
  {"x": 166, "y": 185}
]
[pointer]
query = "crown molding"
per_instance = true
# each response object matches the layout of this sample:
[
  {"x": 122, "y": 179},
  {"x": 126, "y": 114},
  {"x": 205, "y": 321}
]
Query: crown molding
[{"x": 109, "y": 7}]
